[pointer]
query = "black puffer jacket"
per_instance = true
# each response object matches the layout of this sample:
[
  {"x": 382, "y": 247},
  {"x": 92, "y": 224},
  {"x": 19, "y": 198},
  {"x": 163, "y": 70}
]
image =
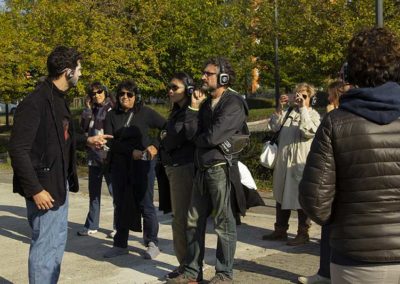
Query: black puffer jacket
[{"x": 352, "y": 175}]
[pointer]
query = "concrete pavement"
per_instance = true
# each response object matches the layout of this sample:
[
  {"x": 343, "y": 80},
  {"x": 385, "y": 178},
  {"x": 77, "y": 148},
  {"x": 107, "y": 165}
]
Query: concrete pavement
[{"x": 256, "y": 261}]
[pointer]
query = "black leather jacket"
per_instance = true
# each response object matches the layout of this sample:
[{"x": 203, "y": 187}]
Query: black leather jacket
[{"x": 352, "y": 177}]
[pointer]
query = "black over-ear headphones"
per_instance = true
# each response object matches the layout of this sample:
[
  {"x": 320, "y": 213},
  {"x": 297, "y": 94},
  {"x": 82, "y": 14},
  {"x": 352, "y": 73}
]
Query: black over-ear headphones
[
  {"x": 69, "y": 73},
  {"x": 313, "y": 100},
  {"x": 138, "y": 95},
  {"x": 223, "y": 78},
  {"x": 189, "y": 84},
  {"x": 344, "y": 72}
]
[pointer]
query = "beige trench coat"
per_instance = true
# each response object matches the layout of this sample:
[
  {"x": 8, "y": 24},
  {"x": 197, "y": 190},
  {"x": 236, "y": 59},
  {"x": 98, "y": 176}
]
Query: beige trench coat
[{"x": 294, "y": 143}]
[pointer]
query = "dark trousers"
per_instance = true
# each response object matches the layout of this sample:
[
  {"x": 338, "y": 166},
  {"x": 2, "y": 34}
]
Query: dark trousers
[
  {"x": 95, "y": 182},
  {"x": 211, "y": 195},
  {"x": 325, "y": 252},
  {"x": 142, "y": 185},
  {"x": 282, "y": 217}
]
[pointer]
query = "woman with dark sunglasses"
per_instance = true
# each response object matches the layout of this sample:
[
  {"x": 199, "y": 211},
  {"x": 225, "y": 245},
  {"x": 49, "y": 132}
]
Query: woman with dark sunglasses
[
  {"x": 177, "y": 153},
  {"x": 300, "y": 122},
  {"x": 132, "y": 153},
  {"x": 98, "y": 104}
]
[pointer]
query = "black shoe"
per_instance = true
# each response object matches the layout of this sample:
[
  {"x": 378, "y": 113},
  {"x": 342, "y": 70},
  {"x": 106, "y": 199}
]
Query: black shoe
[{"x": 174, "y": 273}]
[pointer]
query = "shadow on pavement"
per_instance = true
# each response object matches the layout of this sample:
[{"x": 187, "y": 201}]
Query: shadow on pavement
[
  {"x": 17, "y": 228},
  {"x": 270, "y": 268},
  {"x": 4, "y": 281}
]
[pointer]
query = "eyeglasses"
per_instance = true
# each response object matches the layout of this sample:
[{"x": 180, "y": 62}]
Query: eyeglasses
[
  {"x": 173, "y": 87},
  {"x": 128, "y": 94},
  {"x": 208, "y": 74},
  {"x": 98, "y": 92}
]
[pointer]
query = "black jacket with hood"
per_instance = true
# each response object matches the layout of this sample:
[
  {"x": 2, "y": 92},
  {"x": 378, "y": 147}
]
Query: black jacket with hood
[{"x": 352, "y": 176}]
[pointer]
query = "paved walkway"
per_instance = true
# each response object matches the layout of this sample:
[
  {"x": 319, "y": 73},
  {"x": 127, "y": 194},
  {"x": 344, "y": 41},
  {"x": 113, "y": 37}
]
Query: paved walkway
[{"x": 256, "y": 261}]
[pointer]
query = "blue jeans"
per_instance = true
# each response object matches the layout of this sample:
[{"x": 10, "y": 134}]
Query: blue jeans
[
  {"x": 211, "y": 195},
  {"x": 144, "y": 194},
  {"x": 49, "y": 237},
  {"x": 95, "y": 181}
]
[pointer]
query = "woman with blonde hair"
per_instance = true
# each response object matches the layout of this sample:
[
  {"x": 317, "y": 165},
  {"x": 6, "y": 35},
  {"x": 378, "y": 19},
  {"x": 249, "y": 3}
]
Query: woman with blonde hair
[{"x": 300, "y": 122}]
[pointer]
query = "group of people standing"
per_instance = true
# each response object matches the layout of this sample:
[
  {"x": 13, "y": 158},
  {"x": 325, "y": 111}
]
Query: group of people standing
[
  {"x": 341, "y": 172},
  {"x": 122, "y": 150}
]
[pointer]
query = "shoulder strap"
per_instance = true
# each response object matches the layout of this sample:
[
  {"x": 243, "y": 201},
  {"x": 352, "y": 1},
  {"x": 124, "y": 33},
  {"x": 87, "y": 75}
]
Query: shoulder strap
[{"x": 276, "y": 135}]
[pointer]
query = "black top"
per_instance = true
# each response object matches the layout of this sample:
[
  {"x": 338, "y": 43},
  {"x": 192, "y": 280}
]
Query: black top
[
  {"x": 63, "y": 114},
  {"x": 177, "y": 147},
  {"x": 136, "y": 135}
]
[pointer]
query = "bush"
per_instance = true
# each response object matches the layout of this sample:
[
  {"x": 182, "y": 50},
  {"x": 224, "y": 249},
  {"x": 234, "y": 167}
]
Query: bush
[
  {"x": 250, "y": 157},
  {"x": 257, "y": 103}
]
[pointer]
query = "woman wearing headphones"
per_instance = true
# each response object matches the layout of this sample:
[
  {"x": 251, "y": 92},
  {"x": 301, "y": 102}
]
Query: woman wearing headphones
[
  {"x": 132, "y": 168},
  {"x": 177, "y": 151},
  {"x": 98, "y": 104},
  {"x": 300, "y": 123}
]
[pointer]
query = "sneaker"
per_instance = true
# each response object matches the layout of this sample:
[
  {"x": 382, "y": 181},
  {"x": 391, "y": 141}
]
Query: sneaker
[
  {"x": 314, "y": 279},
  {"x": 220, "y": 278},
  {"x": 86, "y": 232},
  {"x": 111, "y": 234},
  {"x": 152, "y": 251},
  {"x": 183, "y": 279},
  {"x": 115, "y": 251},
  {"x": 174, "y": 273}
]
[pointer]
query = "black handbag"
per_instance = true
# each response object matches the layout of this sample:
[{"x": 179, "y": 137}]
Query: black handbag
[{"x": 236, "y": 143}]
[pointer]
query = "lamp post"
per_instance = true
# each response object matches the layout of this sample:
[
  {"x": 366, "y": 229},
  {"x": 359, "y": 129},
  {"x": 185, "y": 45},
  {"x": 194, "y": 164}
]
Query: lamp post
[
  {"x": 277, "y": 79},
  {"x": 379, "y": 13}
]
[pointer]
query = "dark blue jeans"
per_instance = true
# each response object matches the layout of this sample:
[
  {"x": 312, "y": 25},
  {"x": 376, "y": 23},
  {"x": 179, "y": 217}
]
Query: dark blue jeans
[
  {"x": 144, "y": 194},
  {"x": 325, "y": 252},
  {"x": 211, "y": 195},
  {"x": 95, "y": 181},
  {"x": 49, "y": 237}
]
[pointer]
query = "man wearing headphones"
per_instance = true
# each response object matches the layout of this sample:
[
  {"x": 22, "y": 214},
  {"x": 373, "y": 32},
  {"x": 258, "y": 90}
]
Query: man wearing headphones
[
  {"x": 221, "y": 116},
  {"x": 42, "y": 151}
]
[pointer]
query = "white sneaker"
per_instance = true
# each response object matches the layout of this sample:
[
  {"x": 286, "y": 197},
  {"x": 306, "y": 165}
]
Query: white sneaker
[
  {"x": 111, "y": 234},
  {"x": 86, "y": 232},
  {"x": 152, "y": 251},
  {"x": 314, "y": 279}
]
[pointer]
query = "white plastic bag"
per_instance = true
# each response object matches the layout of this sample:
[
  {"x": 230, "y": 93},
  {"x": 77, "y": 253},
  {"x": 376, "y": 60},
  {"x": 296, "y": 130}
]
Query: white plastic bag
[
  {"x": 269, "y": 154},
  {"x": 245, "y": 176}
]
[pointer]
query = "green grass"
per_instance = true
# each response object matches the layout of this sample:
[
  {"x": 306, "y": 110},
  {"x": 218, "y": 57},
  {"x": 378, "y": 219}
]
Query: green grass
[
  {"x": 254, "y": 114},
  {"x": 259, "y": 114}
]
